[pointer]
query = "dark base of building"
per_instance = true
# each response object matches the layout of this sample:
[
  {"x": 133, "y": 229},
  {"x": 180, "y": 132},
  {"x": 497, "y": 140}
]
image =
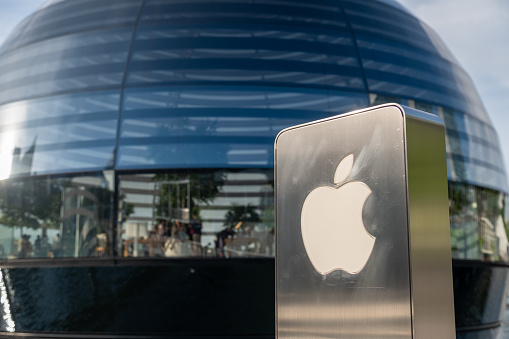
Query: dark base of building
[
  {"x": 189, "y": 298},
  {"x": 479, "y": 298},
  {"x": 120, "y": 336}
]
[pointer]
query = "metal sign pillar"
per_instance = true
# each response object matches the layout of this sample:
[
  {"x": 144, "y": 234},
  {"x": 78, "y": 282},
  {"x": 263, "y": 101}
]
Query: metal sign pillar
[{"x": 362, "y": 227}]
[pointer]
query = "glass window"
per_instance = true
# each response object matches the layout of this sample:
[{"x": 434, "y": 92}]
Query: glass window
[
  {"x": 395, "y": 67},
  {"x": 82, "y": 61},
  {"x": 377, "y": 18},
  {"x": 59, "y": 134},
  {"x": 473, "y": 154},
  {"x": 424, "y": 106},
  {"x": 478, "y": 227},
  {"x": 69, "y": 17},
  {"x": 464, "y": 222},
  {"x": 56, "y": 217},
  {"x": 379, "y": 99},
  {"x": 191, "y": 213},
  {"x": 214, "y": 213},
  {"x": 318, "y": 13},
  {"x": 226, "y": 126},
  {"x": 239, "y": 52}
]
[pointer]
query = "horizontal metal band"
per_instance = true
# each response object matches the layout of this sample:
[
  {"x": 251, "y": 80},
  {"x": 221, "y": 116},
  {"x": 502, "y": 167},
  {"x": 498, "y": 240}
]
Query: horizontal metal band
[
  {"x": 42, "y": 335},
  {"x": 481, "y": 327},
  {"x": 104, "y": 262},
  {"x": 478, "y": 263}
]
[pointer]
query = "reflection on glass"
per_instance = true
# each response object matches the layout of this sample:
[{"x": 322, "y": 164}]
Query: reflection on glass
[
  {"x": 423, "y": 106},
  {"x": 66, "y": 133},
  {"x": 223, "y": 126},
  {"x": 65, "y": 64},
  {"x": 200, "y": 213},
  {"x": 55, "y": 217},
  {"x": 478, "y": 227},
  {"x": 81, "y": 16},
  {"x": 320, "y": 14},
  {"x": 168, "y": 53},
  {"x": 197, "y": 214}
]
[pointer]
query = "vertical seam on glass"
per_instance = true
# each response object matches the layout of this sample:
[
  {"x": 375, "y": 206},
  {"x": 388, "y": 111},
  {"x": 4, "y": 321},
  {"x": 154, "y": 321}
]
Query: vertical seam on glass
[
  {"x": 116, "y": 189},
  {"x": 122, "y": 85},
  {"x": 356, "y": 47},
  {"x": 120, "y": 107}
]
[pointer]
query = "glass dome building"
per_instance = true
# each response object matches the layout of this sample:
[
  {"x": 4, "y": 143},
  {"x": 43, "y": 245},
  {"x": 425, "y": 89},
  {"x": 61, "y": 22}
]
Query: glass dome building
[{"x": 136, "y": 157}]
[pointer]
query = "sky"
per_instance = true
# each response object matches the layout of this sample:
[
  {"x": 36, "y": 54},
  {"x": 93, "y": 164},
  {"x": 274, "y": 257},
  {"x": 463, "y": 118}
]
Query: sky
[{"x": 478, "y": 36}]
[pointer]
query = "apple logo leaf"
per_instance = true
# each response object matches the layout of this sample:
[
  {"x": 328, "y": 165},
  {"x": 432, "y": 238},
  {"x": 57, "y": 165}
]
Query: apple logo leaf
[{"x": 343, "y": 170}]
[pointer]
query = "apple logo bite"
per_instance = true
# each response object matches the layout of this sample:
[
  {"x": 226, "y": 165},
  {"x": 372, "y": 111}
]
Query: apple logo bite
[{"x": 331, "y": 224}]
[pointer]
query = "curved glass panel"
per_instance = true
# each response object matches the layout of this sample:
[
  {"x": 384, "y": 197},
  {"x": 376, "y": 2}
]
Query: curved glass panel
[
  {"x": 59, "y": 134},
  {"x": 71, "y": 63},
  {"x": 393, "y": 3},
  {"x": 56, "y": 217},
  {"x": 401, "y": 70},
  {"x": 216, "y": 126},
  {"x": 321, "y": 13},
  {"x": 402, "y": 56},
  {"x": 377, "y": 19},
  {"x": 473, "y": 152},
  {"x": 250, "y": 53},
  {"x": 207, "y": 213},
  {"x": 68, "y": 17}
]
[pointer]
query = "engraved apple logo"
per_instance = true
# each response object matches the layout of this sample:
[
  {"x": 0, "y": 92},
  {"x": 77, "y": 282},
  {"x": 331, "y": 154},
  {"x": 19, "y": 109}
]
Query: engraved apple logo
[{"x": 331, "y": 224}]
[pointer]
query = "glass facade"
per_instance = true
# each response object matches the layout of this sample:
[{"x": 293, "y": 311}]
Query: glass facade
[
  {"x": 144, "y": 129},
  {"x": 64, "y": 133},
  {"x": 478, "y": 229},
  {"x": 57, "y": 217},
  {"x": 220, "y": 214}
]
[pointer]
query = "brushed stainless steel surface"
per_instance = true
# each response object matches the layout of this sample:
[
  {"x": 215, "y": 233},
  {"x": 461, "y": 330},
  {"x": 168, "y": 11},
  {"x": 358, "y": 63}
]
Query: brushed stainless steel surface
[
  {"x": 430, "y": 250},
  {"x": 376, "y": 299}
]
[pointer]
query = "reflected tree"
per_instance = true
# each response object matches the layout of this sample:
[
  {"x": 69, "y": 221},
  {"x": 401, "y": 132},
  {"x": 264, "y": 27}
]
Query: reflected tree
[
  {"x": 203, "y": 188},
  {"x": 30, "y": 203},
  {"x": 458, "y": 198},
  {"x": 268, "y": 218},
  {"x": 241, "y": 213},
  {"x": 62, "y": 204}
]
